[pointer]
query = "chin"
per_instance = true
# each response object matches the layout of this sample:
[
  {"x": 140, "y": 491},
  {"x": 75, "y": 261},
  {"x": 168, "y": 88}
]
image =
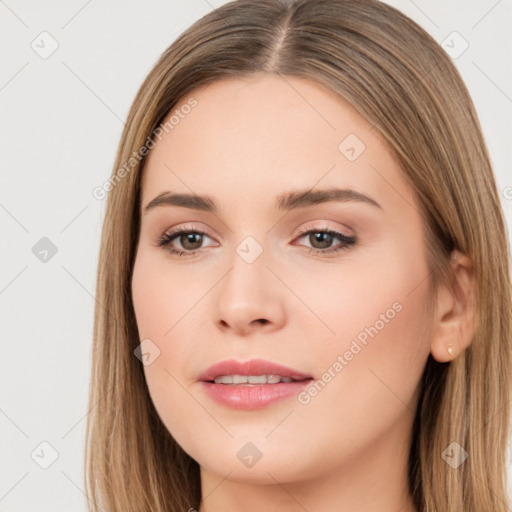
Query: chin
[{"x": 249, "y": 464}]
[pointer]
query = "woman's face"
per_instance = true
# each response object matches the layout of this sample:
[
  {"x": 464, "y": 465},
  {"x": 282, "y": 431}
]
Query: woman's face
[{"x": 334, "y": 289}]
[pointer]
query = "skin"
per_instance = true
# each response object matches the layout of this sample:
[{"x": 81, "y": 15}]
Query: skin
[{"x": 247, "y": 141}]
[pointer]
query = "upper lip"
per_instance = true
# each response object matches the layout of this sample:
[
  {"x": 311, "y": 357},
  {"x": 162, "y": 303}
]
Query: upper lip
[{"x": 251, "y": 367}]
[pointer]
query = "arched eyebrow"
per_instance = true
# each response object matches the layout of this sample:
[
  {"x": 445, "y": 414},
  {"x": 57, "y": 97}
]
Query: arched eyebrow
[{"x": 288, "y": 201}]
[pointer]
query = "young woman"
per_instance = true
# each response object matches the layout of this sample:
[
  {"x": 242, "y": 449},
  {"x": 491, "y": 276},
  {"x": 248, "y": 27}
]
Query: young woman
[{"x": 303, "y": 296}]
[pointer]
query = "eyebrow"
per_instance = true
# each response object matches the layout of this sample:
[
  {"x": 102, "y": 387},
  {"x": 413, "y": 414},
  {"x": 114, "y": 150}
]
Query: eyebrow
[{"x": 287, "y": 201}]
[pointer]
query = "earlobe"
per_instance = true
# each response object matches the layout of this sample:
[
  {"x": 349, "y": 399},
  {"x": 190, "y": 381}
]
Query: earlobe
[{"x": 455, "y": 319}]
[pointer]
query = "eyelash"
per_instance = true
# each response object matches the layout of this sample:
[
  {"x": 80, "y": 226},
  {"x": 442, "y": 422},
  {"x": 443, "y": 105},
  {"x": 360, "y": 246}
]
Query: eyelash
[{"x": 166, "y": 239}]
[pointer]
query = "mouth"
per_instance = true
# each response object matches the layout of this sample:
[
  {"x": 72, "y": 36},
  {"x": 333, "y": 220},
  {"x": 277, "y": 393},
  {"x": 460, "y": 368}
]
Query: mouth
[
  {"x": 252, "y": 380},
  {"x": 254, "y": 384}
]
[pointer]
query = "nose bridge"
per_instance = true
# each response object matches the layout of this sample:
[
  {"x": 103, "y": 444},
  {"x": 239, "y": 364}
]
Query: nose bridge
[
  {"x": 248, "y": 269},
  {"x": 246, "y": 294}
]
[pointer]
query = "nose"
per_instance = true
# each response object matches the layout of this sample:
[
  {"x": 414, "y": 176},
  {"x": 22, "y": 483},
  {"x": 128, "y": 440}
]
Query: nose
[{"x": 249, "y": 298}]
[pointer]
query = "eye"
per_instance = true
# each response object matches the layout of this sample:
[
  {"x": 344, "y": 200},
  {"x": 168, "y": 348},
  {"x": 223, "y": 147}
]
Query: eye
[
  {"x": 190, "y": 239},
  {"x": 322, "y": 240}
]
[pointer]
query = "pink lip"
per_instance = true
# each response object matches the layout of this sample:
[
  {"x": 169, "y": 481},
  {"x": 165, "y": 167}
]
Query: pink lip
[
  {"x": 244, "y": 396},
  {"x": 252, "y": 367}
]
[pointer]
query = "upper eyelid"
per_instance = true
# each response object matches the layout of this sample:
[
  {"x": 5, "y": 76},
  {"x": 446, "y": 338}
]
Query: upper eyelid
[
  {"x": 175, "y": 232},
  {"x": 301, "y": 231},
  {"x": 341, "y": 231}
]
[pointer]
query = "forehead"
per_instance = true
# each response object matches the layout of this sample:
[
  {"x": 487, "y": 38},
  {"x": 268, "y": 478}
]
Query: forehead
[{"x": 254, "y": 137}]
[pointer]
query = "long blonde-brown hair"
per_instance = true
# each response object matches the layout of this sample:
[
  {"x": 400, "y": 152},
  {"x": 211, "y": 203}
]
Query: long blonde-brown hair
[{"x": 403, "y": 83}]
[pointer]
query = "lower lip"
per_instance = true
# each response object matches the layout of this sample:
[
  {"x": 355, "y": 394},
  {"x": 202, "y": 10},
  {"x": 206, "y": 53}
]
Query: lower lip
[{"x": 253, "y": 397}]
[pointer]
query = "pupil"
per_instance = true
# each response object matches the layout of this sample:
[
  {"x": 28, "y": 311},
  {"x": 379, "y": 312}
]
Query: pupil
[
  {"x": 323, "y": 238},
  {"x": 192, "y": 238}
]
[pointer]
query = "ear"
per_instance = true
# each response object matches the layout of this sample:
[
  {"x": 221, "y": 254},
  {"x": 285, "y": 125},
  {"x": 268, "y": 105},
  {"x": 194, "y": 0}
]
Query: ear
[{"x": 455, "y": 319}]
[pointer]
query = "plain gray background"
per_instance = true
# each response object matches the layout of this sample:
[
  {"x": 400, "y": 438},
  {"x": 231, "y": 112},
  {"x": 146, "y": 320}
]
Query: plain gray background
[{"x": 61, "y": 120}]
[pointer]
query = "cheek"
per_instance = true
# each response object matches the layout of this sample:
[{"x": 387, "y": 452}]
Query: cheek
[
  {"x": 161, "y": 307},
  {"x": 380, "y": 330},
  {"x": 371, "y": 367},
  {"x": 382, "y": 289},
  {"x": 162, "y": 294}
]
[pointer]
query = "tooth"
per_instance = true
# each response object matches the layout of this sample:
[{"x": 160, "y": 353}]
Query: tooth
[
  {"x": 224, "y": 379},
  {"x": 257, "y": 379},
  {"x": 251, "y": 379}
]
